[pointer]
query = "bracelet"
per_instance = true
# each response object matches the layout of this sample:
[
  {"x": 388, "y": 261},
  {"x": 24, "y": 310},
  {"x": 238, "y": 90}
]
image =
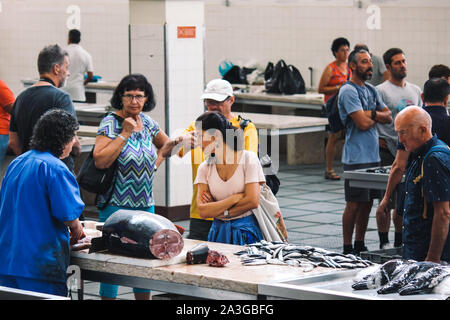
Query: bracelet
[
  {"x": 122, "y": 137},
  {"x": 177, "y": 140}
]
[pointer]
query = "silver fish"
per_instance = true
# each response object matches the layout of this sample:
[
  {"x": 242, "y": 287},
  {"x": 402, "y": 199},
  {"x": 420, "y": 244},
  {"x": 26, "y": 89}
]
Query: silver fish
[{"x": 424, "y": 282}]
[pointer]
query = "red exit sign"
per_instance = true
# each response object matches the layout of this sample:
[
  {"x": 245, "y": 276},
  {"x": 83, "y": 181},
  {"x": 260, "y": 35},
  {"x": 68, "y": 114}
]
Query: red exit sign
[{"x": 185, "y": 32}]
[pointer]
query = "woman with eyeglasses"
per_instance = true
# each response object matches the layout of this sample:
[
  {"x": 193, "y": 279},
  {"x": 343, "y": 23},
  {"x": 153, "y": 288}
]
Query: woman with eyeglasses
[{"x": 129, "y": 135}]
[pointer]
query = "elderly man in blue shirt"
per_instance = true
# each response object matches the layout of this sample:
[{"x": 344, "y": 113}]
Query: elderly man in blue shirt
[{"x": 426, "y": 206}]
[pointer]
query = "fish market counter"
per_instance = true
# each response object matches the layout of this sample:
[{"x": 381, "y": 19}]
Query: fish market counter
[
  {"x": 332, "y": 286},
  {"x": 233, "y": 281}
]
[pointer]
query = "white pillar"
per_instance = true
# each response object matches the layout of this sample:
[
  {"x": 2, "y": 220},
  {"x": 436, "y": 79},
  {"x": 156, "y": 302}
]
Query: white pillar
[{"x": 167, "y": 47}]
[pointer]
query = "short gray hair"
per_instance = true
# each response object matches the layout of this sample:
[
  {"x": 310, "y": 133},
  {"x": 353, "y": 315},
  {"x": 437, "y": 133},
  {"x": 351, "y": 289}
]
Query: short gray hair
[
  {"x": 50, "y": 56},
  {"x": 353, "y": 55}
]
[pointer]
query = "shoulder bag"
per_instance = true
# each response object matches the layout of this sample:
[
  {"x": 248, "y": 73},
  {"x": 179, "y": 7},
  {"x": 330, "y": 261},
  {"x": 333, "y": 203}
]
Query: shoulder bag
[
  {"x": 268, "y": 215},
  {"x": 95, "y": 180}
]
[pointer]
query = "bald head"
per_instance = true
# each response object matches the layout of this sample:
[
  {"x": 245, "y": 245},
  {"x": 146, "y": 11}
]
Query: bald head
[
  {"x": 414, "y": 115},
  {"x": 413, "y": 125}
]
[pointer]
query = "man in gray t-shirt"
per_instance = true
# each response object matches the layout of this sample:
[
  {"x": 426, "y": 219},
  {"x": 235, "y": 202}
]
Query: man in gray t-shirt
[
  {"x": 397, "y": 94},
  {"x": 396, "y": 97}
]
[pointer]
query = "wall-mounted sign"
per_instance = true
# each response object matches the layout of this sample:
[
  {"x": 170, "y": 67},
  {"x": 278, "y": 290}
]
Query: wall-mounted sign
[{"x": 185, "y": 32}]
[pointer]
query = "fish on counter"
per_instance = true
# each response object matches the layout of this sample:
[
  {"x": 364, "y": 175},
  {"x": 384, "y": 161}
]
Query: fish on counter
[
  {"x": 216, "y": 259},
  {"x": 406, "y": 277},
  {"x": 198, "y": 254},
  {"x": 436, "y": 279},
  {"x": 379, "y": 275},
  {"x": 307, "y": 257},
  {"x": 139, "y": 234},
  {"x": 202, "y": 254}
]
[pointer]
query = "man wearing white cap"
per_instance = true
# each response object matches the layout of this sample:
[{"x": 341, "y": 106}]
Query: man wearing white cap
[{"x": 218, "y": 96}]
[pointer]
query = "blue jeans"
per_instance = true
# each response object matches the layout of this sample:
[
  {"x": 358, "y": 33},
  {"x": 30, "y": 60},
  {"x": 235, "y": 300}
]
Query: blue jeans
[
  {"x": 110, "y": 290},
  {"x": 4, "y": 139}
]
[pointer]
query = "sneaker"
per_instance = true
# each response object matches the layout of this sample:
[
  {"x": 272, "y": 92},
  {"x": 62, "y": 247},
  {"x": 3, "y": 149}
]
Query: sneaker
[{"x": 385, "y": 246}]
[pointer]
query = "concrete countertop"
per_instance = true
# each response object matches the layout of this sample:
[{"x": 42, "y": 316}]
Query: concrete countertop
[{"x": 233, "y": 277}]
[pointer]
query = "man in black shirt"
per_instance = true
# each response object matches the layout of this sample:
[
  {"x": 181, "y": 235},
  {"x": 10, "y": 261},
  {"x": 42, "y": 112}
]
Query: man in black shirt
[
  {"x": 31, "y": 104},
  {"x": 435, "y": 96}
]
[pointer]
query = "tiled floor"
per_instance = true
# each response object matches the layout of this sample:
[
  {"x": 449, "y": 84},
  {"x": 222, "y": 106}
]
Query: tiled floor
[{"x": 312, "y": 208}]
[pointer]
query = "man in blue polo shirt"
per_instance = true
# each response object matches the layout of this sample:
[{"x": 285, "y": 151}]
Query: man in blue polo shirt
[
  {"x": 360, "y": 108},
  {"x": 427, "y": 183}
]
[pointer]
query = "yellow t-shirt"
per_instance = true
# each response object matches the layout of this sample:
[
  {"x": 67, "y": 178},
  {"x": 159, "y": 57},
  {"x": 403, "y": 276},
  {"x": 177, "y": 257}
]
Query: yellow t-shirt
[{"x": 197, "y": 157}]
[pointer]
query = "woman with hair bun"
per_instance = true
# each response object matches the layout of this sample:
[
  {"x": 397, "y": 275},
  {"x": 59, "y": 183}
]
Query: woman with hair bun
[{"x": 228, "y": 182}]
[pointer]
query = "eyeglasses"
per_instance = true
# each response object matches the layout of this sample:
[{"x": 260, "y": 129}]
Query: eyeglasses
[
  {"x": 130, "y": 97},
  {"x": 215, "y": 103}
]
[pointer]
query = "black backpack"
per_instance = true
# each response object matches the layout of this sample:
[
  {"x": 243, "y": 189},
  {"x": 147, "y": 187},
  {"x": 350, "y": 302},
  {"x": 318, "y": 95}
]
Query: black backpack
[
  {"x": 283, "y": 78},
  {"x": 272, "y": 180},
  {"x": 332, "y": 110}
]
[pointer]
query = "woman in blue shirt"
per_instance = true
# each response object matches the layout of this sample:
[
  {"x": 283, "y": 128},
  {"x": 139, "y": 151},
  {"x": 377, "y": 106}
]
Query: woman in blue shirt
[{"x": 39, "y": 199}]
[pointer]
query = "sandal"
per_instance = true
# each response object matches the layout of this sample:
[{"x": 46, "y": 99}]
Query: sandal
[{"x": 331, "y": 175}]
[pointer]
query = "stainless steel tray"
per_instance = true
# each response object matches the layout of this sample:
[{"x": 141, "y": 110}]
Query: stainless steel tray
[
  {"x": 331, "y": 286},
  {"x": 362, "y": 179}
]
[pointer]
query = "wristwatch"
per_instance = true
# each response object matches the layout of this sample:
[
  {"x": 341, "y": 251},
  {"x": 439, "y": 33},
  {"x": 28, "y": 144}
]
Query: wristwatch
[
  {"x": 226, "y": 214},
  {"x": 374, "y": 115}
]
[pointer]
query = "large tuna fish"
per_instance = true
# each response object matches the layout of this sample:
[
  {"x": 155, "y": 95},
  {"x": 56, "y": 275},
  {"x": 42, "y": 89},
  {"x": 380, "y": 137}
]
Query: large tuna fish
[{"x": 139, "y": 234}]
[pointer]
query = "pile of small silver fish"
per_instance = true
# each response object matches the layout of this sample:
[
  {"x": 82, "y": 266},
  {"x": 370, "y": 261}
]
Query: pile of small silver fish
[{"x": 307, "y": 257}]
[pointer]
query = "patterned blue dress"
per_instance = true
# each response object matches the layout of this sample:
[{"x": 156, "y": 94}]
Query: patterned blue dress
[
  {"x": 133, "y": 187},
  {"x": 134, "y": 181}
]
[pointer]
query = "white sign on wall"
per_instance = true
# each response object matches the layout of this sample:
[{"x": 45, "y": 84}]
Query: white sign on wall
[
  {"x": 374, "y": 19},
  {"x": 74, "y": 20}
]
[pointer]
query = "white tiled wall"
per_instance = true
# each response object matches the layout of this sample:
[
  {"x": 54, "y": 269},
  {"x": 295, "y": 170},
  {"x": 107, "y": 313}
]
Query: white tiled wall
[
  {"x": 185, "y": 78},
  {"x": 147, "y": 58},
  {"x": 27, "y": 26},
  {"x": 185, "y": 69},
  {"x": 301, "y": 32}
]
